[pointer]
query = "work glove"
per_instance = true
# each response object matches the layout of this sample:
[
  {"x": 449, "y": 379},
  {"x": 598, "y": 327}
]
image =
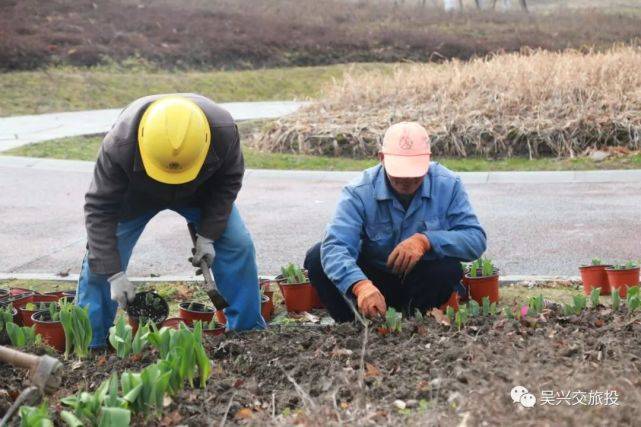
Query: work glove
[
  {"x": 407, "y": 253},
  {"x": 122, "y": 290},
  {"x": 204, "y": 251},
  {"x": 370, "y": 300}
]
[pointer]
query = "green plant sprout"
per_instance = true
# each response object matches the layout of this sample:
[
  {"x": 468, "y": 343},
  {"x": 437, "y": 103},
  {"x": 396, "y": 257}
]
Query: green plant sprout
[
  {"x": 461, "y": 318},
  {"x": 627, "y": 266},
  {"x": 393, "y": 320},
  {"x": 6, "y": 316},
  {"x": 293, "y": 274},
  {"x": 482, "y": 267},
  {"x": 596, "y": 261},
  {"x": 485, "y": 303},
  {"x": 35, "y": 416},
  {"x": 449, "y": 311},
  {"x": 418, "y": 315},
  {"x": 23, "y": 337},
  {"x": 633, "y": 299},
  {"x": 535, "y": 305},
  {"x": 616, "y": 300},
  {"x": 120, "y": 337},
  {"x": 77, "y": 327},
  {"x": 594, "y": 297},
  {"x": 474, "y": 308},
  {"x": 579, "y": 302},
  {"x": 102, "y": 408}
]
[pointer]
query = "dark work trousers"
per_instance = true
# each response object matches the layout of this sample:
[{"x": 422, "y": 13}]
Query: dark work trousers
[{"x": 429, "y": 284}]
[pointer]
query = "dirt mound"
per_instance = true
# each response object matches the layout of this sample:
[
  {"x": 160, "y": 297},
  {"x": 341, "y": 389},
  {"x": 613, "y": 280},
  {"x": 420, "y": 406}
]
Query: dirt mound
[
  {"x": 260, "y": 33},
  {"x": 533, "y": 104}
]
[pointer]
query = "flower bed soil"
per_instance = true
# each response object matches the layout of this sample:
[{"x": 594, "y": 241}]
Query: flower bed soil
[{"x": 441, "y": 374}]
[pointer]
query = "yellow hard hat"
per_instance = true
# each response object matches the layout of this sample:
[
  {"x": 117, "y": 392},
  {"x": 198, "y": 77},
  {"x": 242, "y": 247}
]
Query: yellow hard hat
[{"x": 173, "y": 137}]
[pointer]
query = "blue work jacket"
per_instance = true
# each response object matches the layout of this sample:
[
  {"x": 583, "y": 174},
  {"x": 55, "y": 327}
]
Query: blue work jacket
[{"x": 370, "y": 221}]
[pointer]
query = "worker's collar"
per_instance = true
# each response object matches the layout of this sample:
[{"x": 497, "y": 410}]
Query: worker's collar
[{"x": 383, "y": 192}]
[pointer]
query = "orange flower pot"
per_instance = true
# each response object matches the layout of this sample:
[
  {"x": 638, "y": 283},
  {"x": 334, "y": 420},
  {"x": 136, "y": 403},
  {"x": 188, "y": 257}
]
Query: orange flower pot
[
  {"x": 220, "y": 317},
  {"x": 214, "y": 332},
  {"x": 594, "y": 276},
  {"x": 451, "y": 302},
  {"x": 197, "y": 311},
  {"x": 53, "y": 334},
  {"x": 172, "y": 323},
  {"x": 484, "y": 287},
  {"x": 621, "y": 280},
  {"x": 25, "y": 315},
  {"x": 266, "y": 308},
  {"x": 298, "y": 296}
]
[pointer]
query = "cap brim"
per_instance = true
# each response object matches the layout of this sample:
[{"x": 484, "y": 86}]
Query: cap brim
[{"x": 406, "y": 166}]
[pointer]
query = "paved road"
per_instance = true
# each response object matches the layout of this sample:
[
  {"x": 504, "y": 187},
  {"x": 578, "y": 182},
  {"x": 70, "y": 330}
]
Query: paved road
[
  {"x": 537, "y": 223},
  {"x": 20, "y": 130}
]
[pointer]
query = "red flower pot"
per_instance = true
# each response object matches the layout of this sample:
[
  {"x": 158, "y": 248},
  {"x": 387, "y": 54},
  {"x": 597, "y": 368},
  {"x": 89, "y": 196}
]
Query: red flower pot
[
  {"x": 484, "y": 287},
  {"x": 193, "y": 311},
  {"x": 172, "y": 322},
  {"x": 298, "y": 296},
  {"x": 451, "y": 302},
  {"x": 213, "y": 332},
  {"x": 266, "y": 308},
  {"x": 594, "y": 276},
  {"x": 25, "y": 314},
  {"x": 621, "y": 280},
  {"x": 220, "y": 317},
  {"x": 19, "y": 291},
  {"x": 53, "y": 334}
]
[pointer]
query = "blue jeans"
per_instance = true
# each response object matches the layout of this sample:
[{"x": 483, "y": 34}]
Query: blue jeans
[{"x": 234, "y": 270}]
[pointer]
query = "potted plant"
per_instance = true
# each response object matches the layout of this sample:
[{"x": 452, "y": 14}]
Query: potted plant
[
  {"x": 213, "y": 328},
  {"x": 594, "y": 276},
  {"x": 296, "y": 289},
  {"x": 266, "y": 307},
  {"x": 192, "y": 311},
  {"x": 173, "y": 322},
  {"x": 47, "y": 323},
  {"x": 623, "y": 276},
  {"x": 29, "y": 305},
  {"x": 483, "y": 279},
  {"x": 147, "y": 306}
]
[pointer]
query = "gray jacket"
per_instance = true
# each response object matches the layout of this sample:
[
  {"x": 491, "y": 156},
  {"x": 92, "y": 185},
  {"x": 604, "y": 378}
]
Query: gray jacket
[{"x": 121, "y": 189}]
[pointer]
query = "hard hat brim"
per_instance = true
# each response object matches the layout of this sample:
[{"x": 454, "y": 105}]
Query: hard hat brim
[{"x": 173, "y": 177}]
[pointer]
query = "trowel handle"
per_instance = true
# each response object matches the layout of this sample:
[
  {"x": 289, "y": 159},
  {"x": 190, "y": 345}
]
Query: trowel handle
[
  {"x": 203, "y": 264},
  {"x": 18, "y": 358}
]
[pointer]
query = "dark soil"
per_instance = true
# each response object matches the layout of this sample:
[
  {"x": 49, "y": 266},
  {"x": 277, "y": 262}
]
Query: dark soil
[
  {"x": 443, "y": 376},
  {"x": 148, "y": 306},
  {"x": 260, "y": 33}
]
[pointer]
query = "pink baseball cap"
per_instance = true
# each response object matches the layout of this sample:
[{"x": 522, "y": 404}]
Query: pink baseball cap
[{"x": 407, "y": 150}]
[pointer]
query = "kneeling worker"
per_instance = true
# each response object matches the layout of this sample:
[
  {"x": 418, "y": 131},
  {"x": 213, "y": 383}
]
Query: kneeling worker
[
  {"x": 398, "y": 234},
  {"x": 179, "y": 152}
]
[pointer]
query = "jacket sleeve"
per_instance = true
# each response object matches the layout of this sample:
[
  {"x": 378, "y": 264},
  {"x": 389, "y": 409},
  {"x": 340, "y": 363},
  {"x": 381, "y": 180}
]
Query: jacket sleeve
[
  {"x": 221, "y": 189},
  {"x": 465, "y": 239},
  {"x": 103, "y": 202},
  {"x": 341, "y": 246}
]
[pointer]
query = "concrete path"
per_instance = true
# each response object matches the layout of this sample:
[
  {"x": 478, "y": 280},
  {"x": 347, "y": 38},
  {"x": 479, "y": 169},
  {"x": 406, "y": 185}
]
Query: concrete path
[
  {"x": 541, "y": 223},
  {"x": 21, "y": 130}
]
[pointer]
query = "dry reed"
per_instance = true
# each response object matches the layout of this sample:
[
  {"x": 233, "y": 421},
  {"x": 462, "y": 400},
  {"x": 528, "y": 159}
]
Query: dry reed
[{"x": 536, "y": 103}]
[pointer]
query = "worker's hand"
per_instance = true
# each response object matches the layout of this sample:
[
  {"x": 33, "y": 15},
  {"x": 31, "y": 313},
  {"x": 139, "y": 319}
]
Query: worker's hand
[
  {"x": 407, "y": 253},
  {"x": 370, "y": 300},
  {"x": 204, "y": 251},
  {"x": 122, "y": 290}
]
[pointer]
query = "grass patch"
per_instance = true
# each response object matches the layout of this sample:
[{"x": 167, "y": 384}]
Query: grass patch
[
  {"x": 86, "y": 148},
  {"x": 69, "y": 89}
]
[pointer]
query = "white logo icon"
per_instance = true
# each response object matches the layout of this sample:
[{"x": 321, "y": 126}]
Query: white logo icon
[{"x": 520, "y": 394}]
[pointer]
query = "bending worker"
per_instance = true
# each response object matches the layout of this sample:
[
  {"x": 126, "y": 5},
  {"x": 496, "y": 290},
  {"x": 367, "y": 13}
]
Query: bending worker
[
  {"x": 178, "y": 152},
  {"x": 398, "y": 234}
]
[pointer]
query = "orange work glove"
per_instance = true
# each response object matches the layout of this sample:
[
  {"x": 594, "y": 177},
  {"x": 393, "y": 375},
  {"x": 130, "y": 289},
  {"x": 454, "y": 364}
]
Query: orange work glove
[
  {"x": 370, "y": 300},
  {"x": 407, "y": 253}
]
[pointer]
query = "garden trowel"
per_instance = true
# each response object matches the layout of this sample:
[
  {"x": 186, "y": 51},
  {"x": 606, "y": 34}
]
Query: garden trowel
[{"x": 210, "y": 284}]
